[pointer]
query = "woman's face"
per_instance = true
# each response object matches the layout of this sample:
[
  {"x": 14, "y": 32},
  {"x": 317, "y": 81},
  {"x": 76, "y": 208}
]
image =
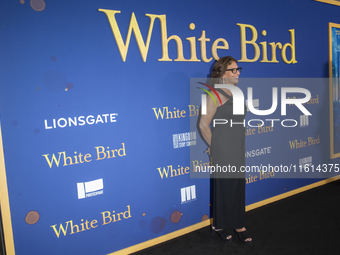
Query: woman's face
[{"x": 229, "y": 76}]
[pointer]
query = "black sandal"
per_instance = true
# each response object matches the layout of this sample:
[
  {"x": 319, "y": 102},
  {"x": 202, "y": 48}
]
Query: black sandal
[
  {"x": 243, "y": 236},
  {"x": 224, "y": 234}
]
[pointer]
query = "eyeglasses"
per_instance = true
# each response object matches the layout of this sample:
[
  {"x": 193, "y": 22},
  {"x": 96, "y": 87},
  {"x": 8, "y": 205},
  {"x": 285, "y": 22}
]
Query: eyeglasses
[{"x": 234, "y": 70}]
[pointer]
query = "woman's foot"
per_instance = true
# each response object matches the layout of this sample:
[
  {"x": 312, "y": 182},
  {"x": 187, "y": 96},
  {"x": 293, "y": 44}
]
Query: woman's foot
[
  {"x": 243, "y": 235},
  {"x": 222, "y": 233}
]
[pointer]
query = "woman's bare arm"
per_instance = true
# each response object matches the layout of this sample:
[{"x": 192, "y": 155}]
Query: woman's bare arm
[{"x": 205, "y": 120}]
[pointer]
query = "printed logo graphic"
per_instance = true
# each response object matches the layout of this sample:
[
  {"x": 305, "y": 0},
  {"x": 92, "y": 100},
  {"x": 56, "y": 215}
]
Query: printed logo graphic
[
  {"x": 307, "y": 161},
  {"x": 184, "y": 139},
  {"x": 80, "y": 121},
  {"x": 258, "y": 152},
  {"x": 304, "y": 121},
  {"x": 188, "y": 194},
  {"x": 90, "y": 189}
]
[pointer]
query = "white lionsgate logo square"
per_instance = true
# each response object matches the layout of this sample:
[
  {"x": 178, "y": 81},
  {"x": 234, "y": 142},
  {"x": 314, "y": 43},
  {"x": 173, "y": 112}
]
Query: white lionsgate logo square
[
  {"x": 188, "y": 194},
  {"x": 89, "y": 189}
]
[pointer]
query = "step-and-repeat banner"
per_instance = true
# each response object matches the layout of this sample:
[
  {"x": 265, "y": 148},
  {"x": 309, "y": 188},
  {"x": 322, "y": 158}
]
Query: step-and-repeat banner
[{"x": 99, "y": 104}]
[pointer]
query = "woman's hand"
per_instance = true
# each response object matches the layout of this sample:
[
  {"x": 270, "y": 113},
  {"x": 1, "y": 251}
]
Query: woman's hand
[{"x": 207, "y": 151}]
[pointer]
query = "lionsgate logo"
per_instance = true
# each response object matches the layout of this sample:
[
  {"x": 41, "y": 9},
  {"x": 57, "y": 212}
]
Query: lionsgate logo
[
  {"x": 90, "y": 189},
  {"x": 80, "y": 121},
  {"x": 188, "y": 194},
  {"x": 184, "y": 139},
  {"x": 238, "y": 105}
]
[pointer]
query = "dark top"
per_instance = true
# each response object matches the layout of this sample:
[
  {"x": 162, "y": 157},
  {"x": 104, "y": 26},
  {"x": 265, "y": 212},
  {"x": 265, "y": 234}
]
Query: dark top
[
  {"x": 228, "y": 140},
  {"x": 228, "y": 150}
]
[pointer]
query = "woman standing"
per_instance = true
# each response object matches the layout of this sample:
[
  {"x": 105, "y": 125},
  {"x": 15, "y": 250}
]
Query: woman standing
[{"x": 227, "y": 148}]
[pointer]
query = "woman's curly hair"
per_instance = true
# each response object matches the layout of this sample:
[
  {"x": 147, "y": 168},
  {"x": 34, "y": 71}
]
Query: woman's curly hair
[{"x": 219, "y": 69}]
